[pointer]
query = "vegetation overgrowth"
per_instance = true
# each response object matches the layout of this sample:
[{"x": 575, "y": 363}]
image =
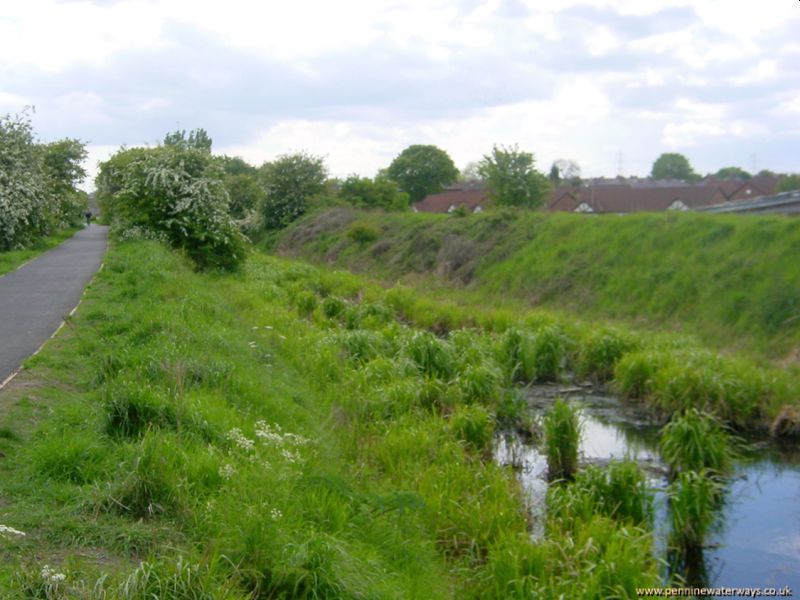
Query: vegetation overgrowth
[
  {"x": 38, "y": 193},
  {"x": 731, "y": 280},
  {"x": 283, "y": 432}
]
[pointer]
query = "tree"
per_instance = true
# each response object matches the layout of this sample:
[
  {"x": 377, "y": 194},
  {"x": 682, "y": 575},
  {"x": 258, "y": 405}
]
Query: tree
[
  {"x": 235, "y": 165},
  {"x": 469, "y": 172},
  {"x": 789, "y": 183},
  {"x": 62, "y": 164},
  {"x": 569, "y": 171},
  {"x": 420, "y": 170},
  {"x": 289, "y": 182},
  {"x": 373, "y": 193},
  {"x": 246, "y": 194},
  {"x": 671, "y": 165},
  {"x": 198, "y": 138},
  {"x": 728, "y": 172},
  {"x": 554, "y": 176},
  {"x": 512, "y": 179}
]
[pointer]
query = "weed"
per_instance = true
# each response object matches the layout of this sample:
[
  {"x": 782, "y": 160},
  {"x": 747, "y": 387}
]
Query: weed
[
  {"x": 132, "y": 407},
  {"x": 434, "y": 357},
  {"x": 695, "y": 441},
  {"x": 474, "y": 426},
  {"x": 619, "y": 491},
  {"x": 693, "y": 503},
  {"x": 562, "y": 433},
  {"x": 601, "y": 351},
  {"x": 517, "y": 355}
]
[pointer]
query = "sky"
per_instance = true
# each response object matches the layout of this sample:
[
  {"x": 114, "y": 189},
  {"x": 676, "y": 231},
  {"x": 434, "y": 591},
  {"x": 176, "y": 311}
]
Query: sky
[{"x": 610, "y": 84}]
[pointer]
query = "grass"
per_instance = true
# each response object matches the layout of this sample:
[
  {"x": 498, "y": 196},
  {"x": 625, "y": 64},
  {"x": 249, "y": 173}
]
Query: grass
[
  {"x": 562, "y": 434},
  {"x": 15, "y": 258},
  {"x": 693, "y": 441},
  {"x": 239, "y": 436},
  {"x": 733, "y": 281}
]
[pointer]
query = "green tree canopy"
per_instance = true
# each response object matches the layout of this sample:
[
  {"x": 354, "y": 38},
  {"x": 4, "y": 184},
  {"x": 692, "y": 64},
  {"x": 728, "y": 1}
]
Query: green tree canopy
[
  {"x": 789, "y": 183},
  {"x": 62, "y": 163},
  {"x": 290, "y": 181},
  {"x": 512, "y": 179},
  {"x": 420, "y": 170},
  {"x": 738, "y": 172},
  {"x": 373, "y": 193},
  {"x": 672, "y": 165},
  {"x": 198, "y": 138}
]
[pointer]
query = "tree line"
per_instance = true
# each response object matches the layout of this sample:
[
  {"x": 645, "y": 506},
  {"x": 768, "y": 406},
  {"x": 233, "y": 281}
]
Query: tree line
[
  {"x": 205, "y": 204},
  {"x": 38, "y": 183}
]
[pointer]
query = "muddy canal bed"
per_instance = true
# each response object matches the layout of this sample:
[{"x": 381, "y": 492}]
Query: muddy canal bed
[{"x": 757, "y": 541}]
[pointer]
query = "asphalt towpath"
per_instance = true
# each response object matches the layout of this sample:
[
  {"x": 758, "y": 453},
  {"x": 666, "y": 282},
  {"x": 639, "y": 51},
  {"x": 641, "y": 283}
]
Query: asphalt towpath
[{"x": 36, "y": 297}]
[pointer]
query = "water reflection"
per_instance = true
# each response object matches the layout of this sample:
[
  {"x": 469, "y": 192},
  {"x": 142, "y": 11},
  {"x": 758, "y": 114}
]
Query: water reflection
[{"x": 757, "y": 539}]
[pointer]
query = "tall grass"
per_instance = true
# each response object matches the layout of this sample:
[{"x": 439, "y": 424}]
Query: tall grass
[
  {"x": 695, "y": 441},
  {"x": 562, "y": 433}
]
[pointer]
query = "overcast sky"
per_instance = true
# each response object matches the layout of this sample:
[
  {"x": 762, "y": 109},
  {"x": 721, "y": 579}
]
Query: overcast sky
[{"x": 597, "y": 81}]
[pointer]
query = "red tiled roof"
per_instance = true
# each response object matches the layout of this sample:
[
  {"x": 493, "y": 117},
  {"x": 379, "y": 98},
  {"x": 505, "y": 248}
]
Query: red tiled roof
[
  {"x": 625, "y": 199},
  {"x": 441, "y": 202}
]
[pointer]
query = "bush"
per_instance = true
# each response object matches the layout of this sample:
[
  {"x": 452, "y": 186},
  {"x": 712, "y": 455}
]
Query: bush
[
  {"x": 363, "y": 233},
  {"x": 25, "y": 207},
  {"x": 176, "y": 190}
]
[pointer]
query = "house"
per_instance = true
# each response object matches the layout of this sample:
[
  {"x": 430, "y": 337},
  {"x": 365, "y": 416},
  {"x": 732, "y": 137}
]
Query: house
[
  {"x": 470, "y": 196},
  {"x": 622, "y": 198}
]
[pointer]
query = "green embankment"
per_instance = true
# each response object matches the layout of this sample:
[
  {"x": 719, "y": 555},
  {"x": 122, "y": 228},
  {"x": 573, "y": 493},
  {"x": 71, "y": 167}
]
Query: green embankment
[
  {"x": 283, "y": 432},
  {"x": 732, "y": 280},
  {"x": 14, "y": 258}
]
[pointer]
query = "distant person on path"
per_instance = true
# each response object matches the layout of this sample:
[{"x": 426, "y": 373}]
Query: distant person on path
[{"x": 88, "y": 216}]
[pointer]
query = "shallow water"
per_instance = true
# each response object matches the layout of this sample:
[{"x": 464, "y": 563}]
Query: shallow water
[{"x": 757, "y": 542}]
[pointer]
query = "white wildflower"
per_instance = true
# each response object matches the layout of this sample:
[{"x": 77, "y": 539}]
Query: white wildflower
[
  {"x": 50, "y": 575},
  {"x": 6, "y": 531},
  {"x": 252, "y": 344},
  {"x": 275, "y": 514},
  {"x": 244, "y": 443},
  {"x": 227, "y": 471}
]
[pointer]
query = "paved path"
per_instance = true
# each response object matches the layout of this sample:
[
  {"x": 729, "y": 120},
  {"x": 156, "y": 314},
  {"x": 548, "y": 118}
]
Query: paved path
[{"x": 35, "y": 298}]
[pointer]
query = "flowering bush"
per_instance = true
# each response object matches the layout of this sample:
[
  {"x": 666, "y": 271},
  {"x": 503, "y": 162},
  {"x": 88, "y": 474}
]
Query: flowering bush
[
  {"x": 24, "y": 201},
  {"x": 37, "y": 184},
  {"x": 177, "y": 191}
]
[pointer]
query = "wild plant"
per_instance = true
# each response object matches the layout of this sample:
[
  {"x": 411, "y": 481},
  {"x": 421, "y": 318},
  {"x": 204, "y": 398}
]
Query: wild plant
[
  {"x": 333, "y": 306},
  {"x": 600, "y": 352},
  {"x": 562, "y": 433},
  {"x": 132, "y": 407},
  {"x": 696, "y": 441},
  {"x": 433, "y": 356},
  {"x": 619, "y": 491},
  {"x": 306, "y": 303},
  {"x": 474, "y": 426},
  {"x": 693, "y": 507},
  {"x": 550, "y": 349},
  {"x": 517, "y": 356}
]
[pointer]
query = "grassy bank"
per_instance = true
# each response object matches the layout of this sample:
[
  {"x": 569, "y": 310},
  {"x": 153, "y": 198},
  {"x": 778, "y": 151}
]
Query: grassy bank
[
  {"x": 732, "y": 280},
  {"x": 285, "y": 432},
  {"x": 14, "y": 258}
]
